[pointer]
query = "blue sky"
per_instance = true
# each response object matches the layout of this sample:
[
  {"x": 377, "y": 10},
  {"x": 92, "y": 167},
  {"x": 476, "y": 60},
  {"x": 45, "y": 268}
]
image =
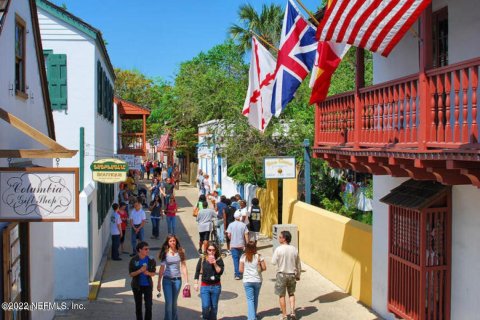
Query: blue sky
[{"x": 155, "y": 36}]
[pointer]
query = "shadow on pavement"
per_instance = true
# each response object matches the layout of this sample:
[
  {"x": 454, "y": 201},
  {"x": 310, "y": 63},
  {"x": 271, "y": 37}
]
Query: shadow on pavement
[
  {"x": 331, "y": 297},
  {"x": 183, "y": 202},
  {"x": 305, "y": 311},
  {"x": 269, "y": 313}
]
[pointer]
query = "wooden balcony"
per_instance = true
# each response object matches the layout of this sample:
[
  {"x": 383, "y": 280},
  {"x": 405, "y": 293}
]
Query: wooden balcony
[
  {"x": 423, "y": 126},
  {"x": 131, "y": 143}
]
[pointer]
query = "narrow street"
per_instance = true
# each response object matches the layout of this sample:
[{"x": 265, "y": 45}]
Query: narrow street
[{"x": 317, "y": 298}]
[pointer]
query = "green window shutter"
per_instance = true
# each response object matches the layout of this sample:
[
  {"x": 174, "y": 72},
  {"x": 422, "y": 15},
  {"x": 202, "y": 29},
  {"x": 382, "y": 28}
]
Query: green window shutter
[
  {"x": 99, "y": 88},
  {"x": 110, "y": 103},
  {"x": 104, "y": 94},
  {"x": 57, "y": 80}
]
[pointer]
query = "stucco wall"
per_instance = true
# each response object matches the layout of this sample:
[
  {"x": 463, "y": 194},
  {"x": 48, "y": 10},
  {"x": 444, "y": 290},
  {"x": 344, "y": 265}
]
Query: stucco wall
[
  {"x": 381, "y": 187},
  {"x": 463, "y": 29},
  {"x": 465, "y": 253},
  {"x": 71, "y": 240},
  {"x": 337, "y": 247},
  {"x": 31, "y": 111}
]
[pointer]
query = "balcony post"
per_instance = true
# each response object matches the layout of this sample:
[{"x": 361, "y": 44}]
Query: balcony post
[
  {"x": 144, "y": 137},
  {"x": 359, "y": 83},
  {"x": 425, "y": 63}
]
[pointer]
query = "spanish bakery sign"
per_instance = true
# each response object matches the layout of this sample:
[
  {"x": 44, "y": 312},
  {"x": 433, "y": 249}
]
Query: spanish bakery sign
[
  {"x": 39, "y": 194},
  {"x": 109, "y": 170}
]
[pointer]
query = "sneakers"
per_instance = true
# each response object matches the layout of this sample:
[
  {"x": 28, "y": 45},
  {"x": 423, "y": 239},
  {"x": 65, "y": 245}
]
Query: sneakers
[{"x": 237, "y": 278}]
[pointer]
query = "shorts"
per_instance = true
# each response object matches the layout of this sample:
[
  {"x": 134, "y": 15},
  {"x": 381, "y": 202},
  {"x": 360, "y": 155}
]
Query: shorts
[
  {"x": 255, "y": 225},
  {"x": 285, "y": 282},
  {"x": 204, "y": 236}
]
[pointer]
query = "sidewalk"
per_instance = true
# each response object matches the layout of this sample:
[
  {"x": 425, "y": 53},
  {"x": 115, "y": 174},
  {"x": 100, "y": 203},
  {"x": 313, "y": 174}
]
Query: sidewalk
[{"x": 317, "y": 298}]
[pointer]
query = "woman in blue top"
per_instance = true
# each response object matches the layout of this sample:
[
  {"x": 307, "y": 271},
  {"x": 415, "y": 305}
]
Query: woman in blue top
[{"x": 173, "y": 268}]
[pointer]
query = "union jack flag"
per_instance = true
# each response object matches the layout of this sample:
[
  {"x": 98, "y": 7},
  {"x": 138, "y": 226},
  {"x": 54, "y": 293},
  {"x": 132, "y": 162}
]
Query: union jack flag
[{"x": 295, "y": 57}]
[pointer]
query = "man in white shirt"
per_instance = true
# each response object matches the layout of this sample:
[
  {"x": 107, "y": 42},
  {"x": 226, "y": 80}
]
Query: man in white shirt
[
  {"x": 116, "y": 232},
  {"x": 289, "y": 268},
  {"x": 137, "y": 221}
]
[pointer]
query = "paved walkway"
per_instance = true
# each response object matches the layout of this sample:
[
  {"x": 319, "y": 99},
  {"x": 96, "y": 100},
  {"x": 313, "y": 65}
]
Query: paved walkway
[{"x": 317, "y": 298}]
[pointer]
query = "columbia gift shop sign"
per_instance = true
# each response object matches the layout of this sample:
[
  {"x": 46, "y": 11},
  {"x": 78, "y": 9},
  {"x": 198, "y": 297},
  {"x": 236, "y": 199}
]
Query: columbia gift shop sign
[
  {"x": 39, "y": 194},
  {"x": 109, "y": 170}
]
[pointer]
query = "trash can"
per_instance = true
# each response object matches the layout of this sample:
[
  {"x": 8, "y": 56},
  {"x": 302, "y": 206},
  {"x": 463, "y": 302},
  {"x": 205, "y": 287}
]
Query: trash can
[{"x": 277, "y": 228}]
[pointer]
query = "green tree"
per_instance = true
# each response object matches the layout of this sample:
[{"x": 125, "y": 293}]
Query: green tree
[
  {"x": 210, "y": 86},
  {"x": 267, "y": 24}
]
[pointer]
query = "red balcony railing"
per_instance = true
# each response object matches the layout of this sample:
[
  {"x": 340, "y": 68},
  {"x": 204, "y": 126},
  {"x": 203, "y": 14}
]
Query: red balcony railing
[
  {"x": 437, "y": 109},
  {"x": 131, "y": 143}
]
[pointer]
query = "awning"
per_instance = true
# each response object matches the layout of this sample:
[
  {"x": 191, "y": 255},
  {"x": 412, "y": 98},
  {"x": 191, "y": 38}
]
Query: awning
[{"x": 415, "y": 194}]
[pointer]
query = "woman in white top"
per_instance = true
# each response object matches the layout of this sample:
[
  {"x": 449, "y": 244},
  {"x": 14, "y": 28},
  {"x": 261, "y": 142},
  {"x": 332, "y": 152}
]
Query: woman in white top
[
  {"x": 251, "y": 265},
  {"x": 173, "y": 268}
]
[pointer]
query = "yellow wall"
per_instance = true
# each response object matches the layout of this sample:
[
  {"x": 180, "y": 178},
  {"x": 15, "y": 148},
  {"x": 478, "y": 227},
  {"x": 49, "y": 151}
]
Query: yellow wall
[
  {"x": 269, "y": 204},
  {"x": 337, "y": 247}
]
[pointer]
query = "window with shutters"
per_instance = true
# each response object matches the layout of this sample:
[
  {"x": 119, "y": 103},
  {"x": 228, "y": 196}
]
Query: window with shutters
[
  {"x": 104, "y": 94},
  {"x": 56, "y": 65},
  {"x": 20, "y": 86}
]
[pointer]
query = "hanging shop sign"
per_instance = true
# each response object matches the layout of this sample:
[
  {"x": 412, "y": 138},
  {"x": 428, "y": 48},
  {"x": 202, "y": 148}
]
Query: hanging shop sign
[
  {"x": 109, "y": 170},
  {"x": 134, "y": 162},
  {"x": 279, "y": 167},
  {"x": 39, "y": 194}
]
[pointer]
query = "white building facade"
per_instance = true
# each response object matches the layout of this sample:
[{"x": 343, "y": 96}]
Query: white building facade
[
  {"x": 463, "y": 43},
  {"x": 24, "y": 94},
  {"x": 81, "y": 80}
]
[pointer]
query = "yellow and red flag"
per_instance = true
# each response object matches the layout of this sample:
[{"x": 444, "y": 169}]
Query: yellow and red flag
[{"x": 329, "y": 55}]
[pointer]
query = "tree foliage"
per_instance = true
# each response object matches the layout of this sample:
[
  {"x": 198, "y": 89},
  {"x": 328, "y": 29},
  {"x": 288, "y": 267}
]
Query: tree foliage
[{"x": 267, "y": 24}]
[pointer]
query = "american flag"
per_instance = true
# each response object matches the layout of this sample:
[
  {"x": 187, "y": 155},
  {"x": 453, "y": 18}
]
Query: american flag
[
  {"x": 375, "y": 25},
  {"x": 295, "y": 57}
]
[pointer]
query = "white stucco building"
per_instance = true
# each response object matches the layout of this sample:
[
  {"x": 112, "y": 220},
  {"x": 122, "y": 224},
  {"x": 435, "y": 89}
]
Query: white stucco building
[
  {"x": 24, "y": 94},
  {"x": 416, "y": 131},
  {"x": 81, "y": 80}
]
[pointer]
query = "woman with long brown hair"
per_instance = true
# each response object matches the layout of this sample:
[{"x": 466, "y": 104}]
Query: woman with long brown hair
[
  {"x": 250, "y": 264},
  {"x": 210, "y": 267},
  {"x": 173, "y": 268}
]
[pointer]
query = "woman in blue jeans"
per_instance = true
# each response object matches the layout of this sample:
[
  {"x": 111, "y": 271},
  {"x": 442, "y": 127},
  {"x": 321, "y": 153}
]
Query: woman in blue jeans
[
  {"x": 210, "y": 266},
  {"x": 173, "y": 268},
  {"x": 251, "y": 265}
]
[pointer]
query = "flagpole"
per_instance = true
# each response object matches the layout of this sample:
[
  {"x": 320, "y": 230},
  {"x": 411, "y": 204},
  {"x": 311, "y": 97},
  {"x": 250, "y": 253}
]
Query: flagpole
[
  {"x": 264, "y": 41},
  {"x": 309, "y": 13}
]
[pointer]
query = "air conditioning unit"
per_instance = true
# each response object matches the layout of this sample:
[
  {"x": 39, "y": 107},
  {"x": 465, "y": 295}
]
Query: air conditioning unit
[{"x": 277, "y": 228}]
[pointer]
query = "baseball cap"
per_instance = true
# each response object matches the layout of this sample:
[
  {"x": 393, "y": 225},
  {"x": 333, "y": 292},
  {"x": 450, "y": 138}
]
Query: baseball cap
[{"x": 237, "y": 214}]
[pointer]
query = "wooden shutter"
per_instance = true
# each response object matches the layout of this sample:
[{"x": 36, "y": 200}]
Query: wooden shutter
[
  {"x": 57, "y": 80},
  {"x": 99, "y": 88}
]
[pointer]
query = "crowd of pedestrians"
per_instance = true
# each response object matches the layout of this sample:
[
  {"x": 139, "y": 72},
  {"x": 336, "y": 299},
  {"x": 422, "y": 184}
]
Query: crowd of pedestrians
[{"x": 221, "y": 222}]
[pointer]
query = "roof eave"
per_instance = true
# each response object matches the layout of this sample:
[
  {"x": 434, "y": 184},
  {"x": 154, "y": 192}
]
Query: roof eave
[{"x": 81, "y": 26}]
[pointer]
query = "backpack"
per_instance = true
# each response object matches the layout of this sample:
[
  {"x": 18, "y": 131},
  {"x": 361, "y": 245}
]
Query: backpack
[{"x": 230, "y": 213}]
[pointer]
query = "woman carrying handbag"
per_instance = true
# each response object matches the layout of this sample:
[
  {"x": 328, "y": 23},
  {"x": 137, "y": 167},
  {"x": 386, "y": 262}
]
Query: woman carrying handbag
[
  {"x": 173, "y": 268},
  {"x": 210, "y": 267},
  {"x": 251, "y": 265}
]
